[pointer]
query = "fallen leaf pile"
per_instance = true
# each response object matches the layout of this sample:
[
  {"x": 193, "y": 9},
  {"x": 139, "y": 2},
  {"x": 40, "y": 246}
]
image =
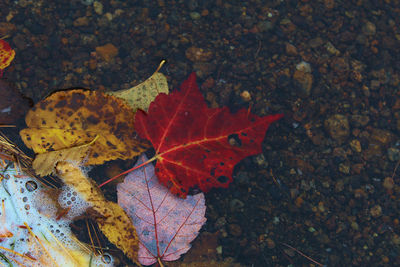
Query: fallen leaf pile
[{"x": 196, "y": 148}]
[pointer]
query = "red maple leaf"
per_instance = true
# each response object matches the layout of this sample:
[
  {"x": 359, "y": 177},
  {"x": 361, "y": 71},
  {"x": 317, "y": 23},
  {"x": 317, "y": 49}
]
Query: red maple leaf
[{"x": 197, "y": 146}]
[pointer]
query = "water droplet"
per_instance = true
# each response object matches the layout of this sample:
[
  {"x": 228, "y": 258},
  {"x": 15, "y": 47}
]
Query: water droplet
[
  {"x": 106, "y": 258},
  {"x": 31, "y": 186}
]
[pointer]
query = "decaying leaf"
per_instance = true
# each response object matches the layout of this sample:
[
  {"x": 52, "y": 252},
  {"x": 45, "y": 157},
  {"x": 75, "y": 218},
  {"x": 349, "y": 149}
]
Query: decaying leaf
[
  {"x": 110, "y": 217},
  {"x": 45, "y": 163},
  {"x": 72, "y": 118},
  {"x": 140, "y": 96}
]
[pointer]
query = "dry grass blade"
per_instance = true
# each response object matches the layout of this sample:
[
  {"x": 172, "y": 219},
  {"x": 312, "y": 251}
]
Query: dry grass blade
[{"x": 11, "y": 152}]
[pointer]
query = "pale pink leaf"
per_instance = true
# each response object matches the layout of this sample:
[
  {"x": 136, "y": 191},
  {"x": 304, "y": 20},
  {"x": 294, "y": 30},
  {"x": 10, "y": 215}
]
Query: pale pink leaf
[{"x": 165, "y": 223}]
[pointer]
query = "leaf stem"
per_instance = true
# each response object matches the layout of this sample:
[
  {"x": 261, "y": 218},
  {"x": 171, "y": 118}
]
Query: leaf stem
[
  {"x": 160, "y": 262},
  {"x": 128, "y": 171}
]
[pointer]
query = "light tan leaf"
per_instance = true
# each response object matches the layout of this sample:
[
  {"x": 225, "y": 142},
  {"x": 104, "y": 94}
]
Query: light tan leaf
[
  {"x": 110, "y": 217},
  {"x": 140, "y": 96},
  {"x": 45, "y": 163}
]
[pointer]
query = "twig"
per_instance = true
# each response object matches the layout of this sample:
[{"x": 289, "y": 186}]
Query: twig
[
  {"x": 395, "y": 168},
  {"x": 302, "y": 254}
]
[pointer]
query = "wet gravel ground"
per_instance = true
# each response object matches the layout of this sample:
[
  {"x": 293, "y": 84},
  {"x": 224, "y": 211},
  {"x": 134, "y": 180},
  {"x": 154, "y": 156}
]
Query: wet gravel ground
[{"x": 326, "y": 183}]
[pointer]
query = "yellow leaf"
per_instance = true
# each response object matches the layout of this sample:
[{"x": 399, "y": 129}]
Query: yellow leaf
[
  {"x": 45, "y": 163},
  {"x": 140, "y": 96},
  {"x": 72, "y": 118},
  {"x": 110, "y": 217}
]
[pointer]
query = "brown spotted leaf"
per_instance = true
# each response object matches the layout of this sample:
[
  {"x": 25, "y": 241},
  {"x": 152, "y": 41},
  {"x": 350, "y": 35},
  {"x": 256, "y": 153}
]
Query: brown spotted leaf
[{"x": 72, "y": 118}]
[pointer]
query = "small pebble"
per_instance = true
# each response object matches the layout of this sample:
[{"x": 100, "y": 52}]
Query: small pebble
[
  {"x": 270, "y": 243},
  {"x": 355, "y": 145},
  {"x": 388, "y": 183},
  {"x": 369, "y": 28},
  {"x": 107, "y": 52},
  {"x": 304, "y": 67},
  {"x": 245, "y": 95},
  {"x": 338, "y": 127},
  {"x": 195, "y": 15},
  {"x": 235, "y": 230},
  {"x": 98, "y": 7},
  {"x": 376, "y": 211},
  {"x": 393, "y": 154}
]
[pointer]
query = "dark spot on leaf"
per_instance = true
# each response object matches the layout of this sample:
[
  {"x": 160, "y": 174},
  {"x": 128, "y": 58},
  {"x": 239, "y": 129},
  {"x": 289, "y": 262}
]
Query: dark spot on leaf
[
  {"x": 61, "y": 104},
  {"x": 43, "y": 122},
  {"x": 43, "y": 104},
  {"x": 69, "y": 113},
  {"x": 93, "y": 120},
  {"x": 95, "y": 155},
  {"x": 244, "y": 134},
  {"x": 212, "y": 172},
  {"x": 111, "y": 145},
  {"x": 76, "y": 100},
  {"x": 221, "y": 163},
  {"x": 223, "y": 179}
]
